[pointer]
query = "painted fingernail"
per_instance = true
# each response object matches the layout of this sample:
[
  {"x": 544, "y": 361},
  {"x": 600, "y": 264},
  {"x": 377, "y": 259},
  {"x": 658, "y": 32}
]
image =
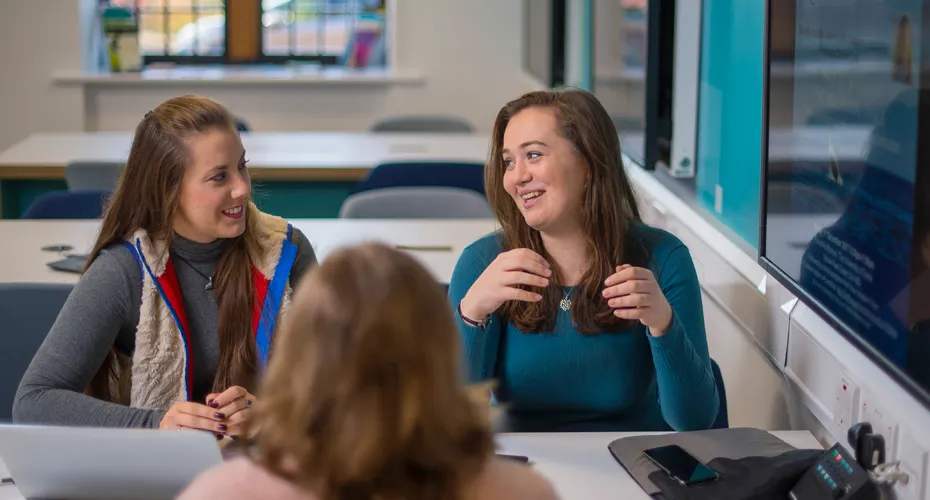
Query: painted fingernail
[
  {"x": 219, "y": 415},
  {"x": 222, "y": 427},
  {"x": 212, "y": 403},
  {"x": 218, "y": 436},
  {"x": 248, "y": 402}
]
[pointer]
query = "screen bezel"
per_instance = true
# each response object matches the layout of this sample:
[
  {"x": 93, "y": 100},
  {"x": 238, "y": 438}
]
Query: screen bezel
[{"x": 921, "y": 394}]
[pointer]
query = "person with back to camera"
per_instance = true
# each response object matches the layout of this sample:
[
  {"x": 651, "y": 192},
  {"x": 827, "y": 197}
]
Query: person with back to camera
[
  {"x": 364, "y": 398},
  {"x": 171, "y": 321},
  {"x": 585, "y": 317}
]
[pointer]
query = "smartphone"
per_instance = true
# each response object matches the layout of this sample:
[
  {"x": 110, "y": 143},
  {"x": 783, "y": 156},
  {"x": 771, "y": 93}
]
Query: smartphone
[
  {"x": 681, "y": 465},
  {"x": 515, "y": 458}
]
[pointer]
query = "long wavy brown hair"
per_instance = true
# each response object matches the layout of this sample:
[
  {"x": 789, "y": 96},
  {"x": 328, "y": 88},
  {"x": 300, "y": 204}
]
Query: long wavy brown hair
[
  {"x": 146, "y": 197},
  {"x": 363, "y": 398},
  {"x": 608, "y": 208}
]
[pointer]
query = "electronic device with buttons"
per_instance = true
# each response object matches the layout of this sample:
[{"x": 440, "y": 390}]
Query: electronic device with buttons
[{"x": 835, "y": 475}]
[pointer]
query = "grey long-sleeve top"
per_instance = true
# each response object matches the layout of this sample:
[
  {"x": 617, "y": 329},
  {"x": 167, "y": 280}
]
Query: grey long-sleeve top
[{"x": 102, "y": 312}]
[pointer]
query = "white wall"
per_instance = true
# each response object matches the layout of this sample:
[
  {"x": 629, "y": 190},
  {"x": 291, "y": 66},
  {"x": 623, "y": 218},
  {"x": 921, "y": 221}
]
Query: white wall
[
  {"x": 468, "y": 52},
  {"x": 41, "y": 36}
]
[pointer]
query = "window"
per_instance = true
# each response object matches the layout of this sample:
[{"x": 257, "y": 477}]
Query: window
[
  {"x": 257, "y": 31},
  {"x": 619, "y": 67}
]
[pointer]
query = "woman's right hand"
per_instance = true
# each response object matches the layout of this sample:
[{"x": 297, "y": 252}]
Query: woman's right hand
[
  {"x": 500, "y": 280},
  {"x": 187, "y": 415}
]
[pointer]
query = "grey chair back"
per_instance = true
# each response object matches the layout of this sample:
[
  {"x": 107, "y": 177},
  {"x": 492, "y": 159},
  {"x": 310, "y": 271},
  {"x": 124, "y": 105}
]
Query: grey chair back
[
  {"x": 423, "y": 124},
  {"x": 416, "y": 203},
  {"x": 82, "y": 175},
  {"x": 27, "y": 312}
]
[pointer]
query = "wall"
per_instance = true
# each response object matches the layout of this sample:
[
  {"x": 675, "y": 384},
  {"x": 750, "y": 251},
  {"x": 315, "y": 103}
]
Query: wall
[
  {"x": 469, "y": 54},
  {"x": 47, "y": 37}
]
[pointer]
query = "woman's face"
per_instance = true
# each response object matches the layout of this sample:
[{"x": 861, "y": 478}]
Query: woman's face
[
  {"x": 543, "y": 174},
  {"x": 215, "y": 188}
]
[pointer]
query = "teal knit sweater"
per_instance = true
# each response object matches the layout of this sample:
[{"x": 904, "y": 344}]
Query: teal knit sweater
[{"x": 625, "y": 381}]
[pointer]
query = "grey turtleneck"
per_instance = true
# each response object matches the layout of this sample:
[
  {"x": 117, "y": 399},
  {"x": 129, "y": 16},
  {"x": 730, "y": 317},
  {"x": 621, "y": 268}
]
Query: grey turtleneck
[{"x": 102, "y": 312}]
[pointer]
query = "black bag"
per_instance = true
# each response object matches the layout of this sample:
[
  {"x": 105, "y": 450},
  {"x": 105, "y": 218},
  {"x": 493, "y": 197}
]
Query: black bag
[{"x": 750, "y": 478}]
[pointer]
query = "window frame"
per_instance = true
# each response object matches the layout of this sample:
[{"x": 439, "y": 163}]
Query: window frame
[{"x": 250, "y": 10}]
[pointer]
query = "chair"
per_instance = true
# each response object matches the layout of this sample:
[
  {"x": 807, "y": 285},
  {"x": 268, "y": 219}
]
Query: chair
[
  {"x": 723, "y": 420},
  {"x": 423, "y": 123},
  {"x": 416, "y": 203},
  {"x": 81, "y": 175},
  {"x": 242, "y": 126},
  {"x": 433, "y": 173},
  {"x": 28, "y": 311},
  {"x": 86, "y": 204}
]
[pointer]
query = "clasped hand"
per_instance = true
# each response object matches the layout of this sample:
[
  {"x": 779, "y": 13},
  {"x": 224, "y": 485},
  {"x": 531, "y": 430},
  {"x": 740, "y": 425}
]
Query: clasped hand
[{"x": 224, "y": 414}]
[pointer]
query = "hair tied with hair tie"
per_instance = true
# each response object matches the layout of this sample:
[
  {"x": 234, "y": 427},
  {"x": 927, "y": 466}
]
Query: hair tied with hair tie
[{"x": 148, "y": 115}]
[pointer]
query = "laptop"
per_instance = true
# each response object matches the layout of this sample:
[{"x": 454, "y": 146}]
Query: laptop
[{"x": 103, "y": 463}]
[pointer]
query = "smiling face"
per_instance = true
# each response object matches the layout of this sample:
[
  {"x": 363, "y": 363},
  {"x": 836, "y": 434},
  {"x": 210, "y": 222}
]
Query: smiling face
[
  {"x": 215, "y": 188},
  {"x": 543, "y": 174}
]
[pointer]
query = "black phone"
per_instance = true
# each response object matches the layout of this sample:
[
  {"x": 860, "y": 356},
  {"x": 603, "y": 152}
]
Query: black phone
[
  {"x": 57, "y": 248},
  {"x": 681, "y": 465},
  {"x": 515, "y": 458}
]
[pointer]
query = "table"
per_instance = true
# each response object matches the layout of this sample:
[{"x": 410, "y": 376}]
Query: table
[
  {"x": 578, "y": 464},
  {"x": 272, "y": 155},
  {"x": 313, "y": 170},
  {"x": 436, "y": 243}
]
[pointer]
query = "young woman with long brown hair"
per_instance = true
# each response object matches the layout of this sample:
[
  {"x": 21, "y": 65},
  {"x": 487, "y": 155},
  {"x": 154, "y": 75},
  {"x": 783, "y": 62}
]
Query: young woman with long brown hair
[
  {"x": 364, "y": 397},
  {"x": 585, "y": 317},
  {"x": 172, "y": 320}
]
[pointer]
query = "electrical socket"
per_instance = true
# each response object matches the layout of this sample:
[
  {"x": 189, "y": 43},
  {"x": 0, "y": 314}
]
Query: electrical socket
[
  {"x": 873, "y": 412},
  {"x": 913, "y": 459},
  {"x": 845, "y": 405}
]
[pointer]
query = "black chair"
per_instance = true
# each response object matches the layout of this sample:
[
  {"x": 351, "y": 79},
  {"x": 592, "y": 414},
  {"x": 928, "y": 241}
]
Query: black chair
[
  {"x": 423, "y": 124},
  {"x": 85, "y": 204},
  {"x": 463, "y": 175},
  {"x": 28, "y": 311},
  {"x": 723, "y": 420}
]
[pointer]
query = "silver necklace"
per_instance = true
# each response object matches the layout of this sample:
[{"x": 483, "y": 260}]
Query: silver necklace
[
  {"x": 208, "y": 278},
  {"x": 566, "y": 302}
]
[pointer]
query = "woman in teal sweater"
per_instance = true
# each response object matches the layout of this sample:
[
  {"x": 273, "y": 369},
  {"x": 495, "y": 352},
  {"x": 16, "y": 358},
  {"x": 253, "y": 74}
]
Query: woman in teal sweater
[{"x": 586, "y": 318}]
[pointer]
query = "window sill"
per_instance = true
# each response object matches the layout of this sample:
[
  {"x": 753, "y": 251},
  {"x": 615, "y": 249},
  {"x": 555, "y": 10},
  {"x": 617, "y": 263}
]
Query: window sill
[{"x": 241, "y": 76}]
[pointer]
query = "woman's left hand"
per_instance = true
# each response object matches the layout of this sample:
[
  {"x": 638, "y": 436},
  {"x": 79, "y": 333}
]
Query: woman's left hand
[
  {"x": 634, "y": 293},
  {"x": 235, "y": 404}
]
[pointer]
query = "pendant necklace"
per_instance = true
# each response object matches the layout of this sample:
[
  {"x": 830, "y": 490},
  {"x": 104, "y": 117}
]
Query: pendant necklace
[
  {"x": 208, "y": 278},
  {"x": 566, "y": 302}
]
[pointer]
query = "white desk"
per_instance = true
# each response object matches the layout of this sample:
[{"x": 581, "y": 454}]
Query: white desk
[
  {"x": 21, "y": 259},
  {"x": 327, "y": 156},
  {"x": 578, "y": 464}
]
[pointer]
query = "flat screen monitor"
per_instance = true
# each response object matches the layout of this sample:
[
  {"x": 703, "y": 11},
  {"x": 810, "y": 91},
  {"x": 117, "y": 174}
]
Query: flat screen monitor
[{"x": 846, "y": 172}]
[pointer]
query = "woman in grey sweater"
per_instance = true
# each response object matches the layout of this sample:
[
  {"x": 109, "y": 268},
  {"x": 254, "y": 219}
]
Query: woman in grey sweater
[{"x": 172, "y": 321}]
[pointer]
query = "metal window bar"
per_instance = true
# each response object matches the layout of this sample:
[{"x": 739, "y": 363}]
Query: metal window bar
[{"x": 197, "y": 10}]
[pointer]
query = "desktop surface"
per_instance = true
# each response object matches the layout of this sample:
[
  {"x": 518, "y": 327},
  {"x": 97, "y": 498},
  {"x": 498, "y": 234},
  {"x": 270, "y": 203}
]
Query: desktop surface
[
  {"x": 578, "y": 465},
  {"x": 437, "y": 244}
]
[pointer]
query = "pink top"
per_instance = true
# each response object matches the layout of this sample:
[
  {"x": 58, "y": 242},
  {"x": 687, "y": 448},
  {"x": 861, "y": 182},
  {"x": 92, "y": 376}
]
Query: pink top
[{"x": 242, "y": 479}]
